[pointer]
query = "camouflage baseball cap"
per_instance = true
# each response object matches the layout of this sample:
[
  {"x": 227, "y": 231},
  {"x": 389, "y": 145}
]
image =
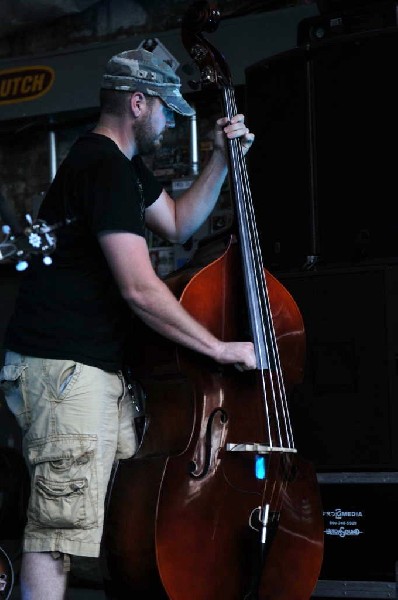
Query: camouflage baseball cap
[{"x": 139, "y": 70}]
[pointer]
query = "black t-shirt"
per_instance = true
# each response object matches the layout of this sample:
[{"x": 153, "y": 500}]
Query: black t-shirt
[{"x": 72, "y": 309}]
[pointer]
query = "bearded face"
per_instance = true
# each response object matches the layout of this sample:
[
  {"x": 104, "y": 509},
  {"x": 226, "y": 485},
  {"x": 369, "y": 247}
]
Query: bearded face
[{"x": 149, "y": 131}]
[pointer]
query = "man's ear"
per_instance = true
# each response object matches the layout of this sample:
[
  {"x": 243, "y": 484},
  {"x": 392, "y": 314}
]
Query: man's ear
[{"x": 137, "y": 103}]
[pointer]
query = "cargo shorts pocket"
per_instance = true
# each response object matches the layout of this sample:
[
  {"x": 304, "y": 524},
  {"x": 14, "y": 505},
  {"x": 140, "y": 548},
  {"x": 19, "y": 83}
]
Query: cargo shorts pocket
[
  {"x": 64, "y": 491},
  {"x": 10, "y": 384}
]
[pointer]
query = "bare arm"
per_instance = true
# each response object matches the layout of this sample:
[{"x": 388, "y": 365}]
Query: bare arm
[
  {"x": 177, "y": 220},
  {"x": 150, "y": 298}
]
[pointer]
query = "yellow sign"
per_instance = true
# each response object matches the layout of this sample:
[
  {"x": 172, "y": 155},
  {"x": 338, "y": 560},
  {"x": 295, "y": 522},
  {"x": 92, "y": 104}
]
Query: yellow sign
[{"x": 25, "y": 83}]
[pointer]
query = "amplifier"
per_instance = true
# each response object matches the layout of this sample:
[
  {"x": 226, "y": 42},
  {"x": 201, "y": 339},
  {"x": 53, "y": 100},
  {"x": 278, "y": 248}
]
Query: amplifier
[
  {"x": 346, "y": 22},
  {"x": 345, "y": 413},
  {"x": 361, "y": 524},
  {"x": 360, "y": 527},
  {"x": 325, "y": 119}
]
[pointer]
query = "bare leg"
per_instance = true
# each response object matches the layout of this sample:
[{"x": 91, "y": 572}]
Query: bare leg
[{"x": 42, "y": 577}]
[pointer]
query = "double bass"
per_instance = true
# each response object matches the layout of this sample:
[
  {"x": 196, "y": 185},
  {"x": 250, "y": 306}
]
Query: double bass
[{"x": 217, "y": 503}]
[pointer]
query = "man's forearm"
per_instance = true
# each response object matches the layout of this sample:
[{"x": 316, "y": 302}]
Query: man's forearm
[{"x": 195, "y": 205}]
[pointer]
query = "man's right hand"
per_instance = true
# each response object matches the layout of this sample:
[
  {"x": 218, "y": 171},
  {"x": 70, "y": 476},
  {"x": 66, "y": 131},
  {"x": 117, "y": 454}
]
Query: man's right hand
[{"x": 240, "y": 354}]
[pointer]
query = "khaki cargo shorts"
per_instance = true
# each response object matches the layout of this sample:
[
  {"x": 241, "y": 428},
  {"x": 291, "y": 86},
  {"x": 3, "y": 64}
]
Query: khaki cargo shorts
[{"x": 76, "y": 420}]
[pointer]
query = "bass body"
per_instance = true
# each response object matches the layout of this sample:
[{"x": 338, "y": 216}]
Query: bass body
[{"x": 186, "y": 514}]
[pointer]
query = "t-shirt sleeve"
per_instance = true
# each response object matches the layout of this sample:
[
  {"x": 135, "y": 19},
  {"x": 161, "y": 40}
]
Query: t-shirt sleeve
[{"x": 115, "y": 198}]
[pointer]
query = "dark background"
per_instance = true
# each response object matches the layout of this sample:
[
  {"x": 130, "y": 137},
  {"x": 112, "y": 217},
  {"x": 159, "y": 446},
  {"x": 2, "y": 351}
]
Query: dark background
[{"x": 323, "y": 171}]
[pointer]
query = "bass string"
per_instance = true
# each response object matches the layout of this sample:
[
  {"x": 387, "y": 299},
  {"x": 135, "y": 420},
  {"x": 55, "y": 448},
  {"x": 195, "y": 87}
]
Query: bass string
[
  {"x": 277, "y": 396},
  {"x": 263, "y": 327}
]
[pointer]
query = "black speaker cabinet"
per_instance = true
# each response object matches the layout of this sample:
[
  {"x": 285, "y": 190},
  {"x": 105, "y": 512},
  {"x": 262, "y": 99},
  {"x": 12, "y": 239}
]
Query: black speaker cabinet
[
  {"x": 360, "y": 526},
  {"x": 345, "y": 413},
  {"x": 323, "y": 165}
]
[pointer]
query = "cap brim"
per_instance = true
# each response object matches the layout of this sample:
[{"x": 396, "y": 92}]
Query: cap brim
[{"x": 179, "y": 105}]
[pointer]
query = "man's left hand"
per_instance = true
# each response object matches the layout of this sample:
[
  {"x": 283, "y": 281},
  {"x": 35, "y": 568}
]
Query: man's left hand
[{"x": 233, "y": 128}]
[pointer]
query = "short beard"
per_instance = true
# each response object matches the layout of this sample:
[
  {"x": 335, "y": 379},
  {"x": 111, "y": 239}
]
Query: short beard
[{"x": 145, "y": 138}]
